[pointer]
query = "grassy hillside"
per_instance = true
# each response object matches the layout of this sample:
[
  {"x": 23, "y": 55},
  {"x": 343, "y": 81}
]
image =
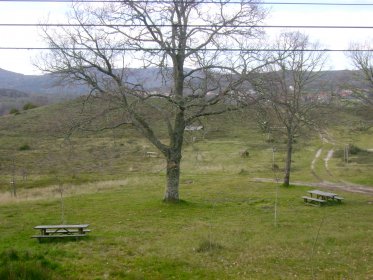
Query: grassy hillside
[
  {"x": 227, "y": 227},
  {"x": 35, "y": 150}
]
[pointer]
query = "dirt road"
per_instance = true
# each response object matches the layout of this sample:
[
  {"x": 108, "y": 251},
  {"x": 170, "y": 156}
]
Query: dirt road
[{"x": 344, "y": 186}]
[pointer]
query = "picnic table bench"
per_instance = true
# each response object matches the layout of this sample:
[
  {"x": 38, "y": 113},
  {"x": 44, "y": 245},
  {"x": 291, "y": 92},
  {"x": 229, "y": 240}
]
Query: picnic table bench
[
  {"x": 308, "y": 199},
  {"x": 61, "y": 231},
  {"x": 321, "y": 197}
]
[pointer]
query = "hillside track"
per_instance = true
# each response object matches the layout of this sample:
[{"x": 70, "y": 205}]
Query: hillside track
[{"x": 326, "y": 138}]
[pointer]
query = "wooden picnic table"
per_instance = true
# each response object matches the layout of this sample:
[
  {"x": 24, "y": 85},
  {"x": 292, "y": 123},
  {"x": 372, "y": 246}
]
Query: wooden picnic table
[
  {"x": 61, "y": 231},
  {"x": 321, "y": 197},
  {"x": 325, "y": 195}
]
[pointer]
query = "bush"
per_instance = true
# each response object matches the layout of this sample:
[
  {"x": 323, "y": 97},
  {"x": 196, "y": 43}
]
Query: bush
[
  {"x": 208, "y": 246},
  {"x": 243, "y": 172},
  {"x": 29, "y": 106},
  {"x": 354, "y": 150},
  {"x": 244, "y": 153},
  {"x": 14, "y": 111},
  {"x": 24, "y": 147}
]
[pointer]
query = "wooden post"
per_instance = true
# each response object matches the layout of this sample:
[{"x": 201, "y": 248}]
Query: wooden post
[
  {"x": 60, "y": 190},
  {"x": 24, "y": 174},
  {"x": 276, "y": 178},
  {"x": 346, "y": 153},
  {"x": 13, "y": 187},
  {"x": 273, "y": 157}
]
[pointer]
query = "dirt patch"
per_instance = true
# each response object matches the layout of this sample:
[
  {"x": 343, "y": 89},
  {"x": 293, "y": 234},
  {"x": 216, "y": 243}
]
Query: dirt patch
[{"x": 54, "y": 191}]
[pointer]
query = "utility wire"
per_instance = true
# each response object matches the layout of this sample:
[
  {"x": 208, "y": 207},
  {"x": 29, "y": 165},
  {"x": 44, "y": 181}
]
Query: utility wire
[
  {"x": 190, "y": 49},
  {"x": 190, "y": 25},
  {"x": 204, "y": 2},
  {"x": 168, "y": 25}
]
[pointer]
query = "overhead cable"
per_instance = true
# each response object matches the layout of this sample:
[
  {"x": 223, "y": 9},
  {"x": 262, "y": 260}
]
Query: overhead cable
[
  {"x": 190, "y": 49},
  {"x": 204, "y": 2},
  {"x": 190, "y": 25}
]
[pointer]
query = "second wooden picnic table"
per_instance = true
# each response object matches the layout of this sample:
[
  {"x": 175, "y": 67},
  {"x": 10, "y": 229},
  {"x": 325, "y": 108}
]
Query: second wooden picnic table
[
  {"x": 58, "y": 231},
  {"x": 325, "y": 195}
]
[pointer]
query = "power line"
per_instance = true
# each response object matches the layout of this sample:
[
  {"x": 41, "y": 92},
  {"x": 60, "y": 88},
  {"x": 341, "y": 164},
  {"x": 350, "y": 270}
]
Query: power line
[
  {"x": 190, "y": 25},
  {"x": 191, "y": 49},
  {"x": 317, "y": 3},
  {"x": 204, "y": 2}
]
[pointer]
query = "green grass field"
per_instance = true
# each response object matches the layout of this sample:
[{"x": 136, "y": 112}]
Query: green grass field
[{"x": 225, "y": 227}]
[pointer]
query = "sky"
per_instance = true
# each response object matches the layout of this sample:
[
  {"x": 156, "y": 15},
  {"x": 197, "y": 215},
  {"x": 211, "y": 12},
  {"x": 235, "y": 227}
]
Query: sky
[{"x": 21, "y": 61}]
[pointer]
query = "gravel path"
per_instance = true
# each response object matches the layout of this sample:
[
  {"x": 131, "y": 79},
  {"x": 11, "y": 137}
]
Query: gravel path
[
  {"x": 328, "y": 157},
  {"x": 317, "y": 155}
]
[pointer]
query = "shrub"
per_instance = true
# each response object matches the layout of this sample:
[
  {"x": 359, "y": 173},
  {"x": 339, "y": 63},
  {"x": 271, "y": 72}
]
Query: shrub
[
  {"x": 24, "y": 147},
  {"x": 354, "y": 150},
  {"x": 244, "y": 153},
  {"x": 208, "y": 246},
  {"x": 14, "y": 111},
  {"x": 275, "y": 167},
  {"x": 29, "y": 106},
  {"x": 243, "y": 172}
]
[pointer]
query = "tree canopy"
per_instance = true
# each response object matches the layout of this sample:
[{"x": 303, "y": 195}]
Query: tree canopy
[{"x": 202, "y": 51}]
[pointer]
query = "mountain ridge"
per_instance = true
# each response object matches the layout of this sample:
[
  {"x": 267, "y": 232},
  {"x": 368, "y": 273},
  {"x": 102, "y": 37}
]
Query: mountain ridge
[
  {"x": 149, "y": 78},
  {"x": 47, "y": 84}
]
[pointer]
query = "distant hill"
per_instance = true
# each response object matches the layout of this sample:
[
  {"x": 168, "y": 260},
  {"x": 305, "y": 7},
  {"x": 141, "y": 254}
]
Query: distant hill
[
  {"x": 36, "y": 84},
  {"x": 18, "y": 89},
  {"x": 150, "y": 79},
  {"x": 341, "y": 78},
  {"x": 15, "y": 99},
  {"x": 12, "y": 93},
  {"x": 50, "y": 84}
]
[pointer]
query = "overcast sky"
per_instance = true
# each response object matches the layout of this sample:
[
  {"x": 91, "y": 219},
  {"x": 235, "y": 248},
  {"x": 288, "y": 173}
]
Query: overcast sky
[{"x": 33, "y": 12}]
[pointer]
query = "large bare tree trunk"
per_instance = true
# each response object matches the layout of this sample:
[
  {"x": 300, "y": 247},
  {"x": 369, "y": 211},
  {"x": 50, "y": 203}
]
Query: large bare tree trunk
[
  {"x": 289, "y": 152},
  {"x": 173, "y": 158},
  {"x": 173, "y": 177}
]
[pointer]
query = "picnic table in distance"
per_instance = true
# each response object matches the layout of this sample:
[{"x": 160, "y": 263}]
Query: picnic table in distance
[
  {"x": 61, "y": 231},
  {"x": 321, "y": 197}
]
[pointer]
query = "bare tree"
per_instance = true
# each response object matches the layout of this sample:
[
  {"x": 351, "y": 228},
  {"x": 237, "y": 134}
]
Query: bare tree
[
  {"x": 287, "y": 89},
  {"x": 362, "y": 58},
  {"x": 200, "y": 49}
]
